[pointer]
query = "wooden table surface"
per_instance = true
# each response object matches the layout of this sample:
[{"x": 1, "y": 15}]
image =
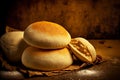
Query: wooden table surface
[{"x": 108, "y": 70}]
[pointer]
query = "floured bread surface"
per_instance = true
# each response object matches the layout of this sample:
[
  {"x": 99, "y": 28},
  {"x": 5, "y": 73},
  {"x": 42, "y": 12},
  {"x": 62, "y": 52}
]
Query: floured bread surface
[
  {"x": 46, "y": 60},
  {"x": 46, "y": 35}
]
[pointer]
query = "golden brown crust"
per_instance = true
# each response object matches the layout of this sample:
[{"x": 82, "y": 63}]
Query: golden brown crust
[
  {"x": 46, "y": 35},
  {"x": 49, "y": 28}
]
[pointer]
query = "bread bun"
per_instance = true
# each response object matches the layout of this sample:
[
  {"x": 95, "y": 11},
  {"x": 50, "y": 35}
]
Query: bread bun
[
  {"x": 13, "y": 45},
  {"x": 83, "y": 49},
  {"x": 46, "y": 60},
  {"x": 46, "y": 35}
]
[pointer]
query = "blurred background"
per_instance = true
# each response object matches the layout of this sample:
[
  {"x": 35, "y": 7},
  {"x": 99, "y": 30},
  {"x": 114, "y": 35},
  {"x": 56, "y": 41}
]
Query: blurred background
[{"x": 91, "y": 19}]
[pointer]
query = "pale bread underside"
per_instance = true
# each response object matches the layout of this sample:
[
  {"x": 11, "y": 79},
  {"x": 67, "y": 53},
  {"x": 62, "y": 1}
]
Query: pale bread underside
[{"x": 46, "y": 60}]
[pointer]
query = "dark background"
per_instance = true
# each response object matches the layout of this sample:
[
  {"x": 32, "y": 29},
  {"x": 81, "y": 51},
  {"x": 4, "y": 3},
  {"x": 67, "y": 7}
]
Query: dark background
[{"x": 93, "y": 19}]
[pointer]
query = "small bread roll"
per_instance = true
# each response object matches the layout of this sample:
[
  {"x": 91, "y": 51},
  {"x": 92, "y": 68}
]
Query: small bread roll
[
  {"x": 83, "y": 49},
  {"x": 46, "y": 35},
  {"x": 46, "y": 60},
  {"x": 13, "y": 45}
]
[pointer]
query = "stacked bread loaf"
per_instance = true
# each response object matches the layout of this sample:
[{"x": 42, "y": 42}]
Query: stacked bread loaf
[
  {"x": 44, "y": 46},
  {"x": 47, "y": 50}
]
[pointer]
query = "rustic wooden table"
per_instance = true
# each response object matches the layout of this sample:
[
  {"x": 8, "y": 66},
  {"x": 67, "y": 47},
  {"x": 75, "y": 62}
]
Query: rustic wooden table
[{"x": 108, "y": 70}]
